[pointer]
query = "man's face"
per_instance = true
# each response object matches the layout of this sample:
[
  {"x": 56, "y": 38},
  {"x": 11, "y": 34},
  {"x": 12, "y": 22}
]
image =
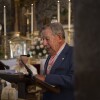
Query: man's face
[{"x": 50, "y": 41}]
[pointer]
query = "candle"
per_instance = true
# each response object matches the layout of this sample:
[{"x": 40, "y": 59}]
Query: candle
[
  {"x": 24, "y": 48},
  {"x": 27, "y": 13},
  {"x": 31, "y": 18},
  {"x": 11, "y": 49},
  {"x": 69, "y": 14},
  {"x": 4, "y": 20},
  {"x": 58, "y": 11}
]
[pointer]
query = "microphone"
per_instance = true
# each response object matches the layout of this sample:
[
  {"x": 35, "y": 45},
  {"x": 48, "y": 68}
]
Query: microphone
[{"x": 28, "y": 70}]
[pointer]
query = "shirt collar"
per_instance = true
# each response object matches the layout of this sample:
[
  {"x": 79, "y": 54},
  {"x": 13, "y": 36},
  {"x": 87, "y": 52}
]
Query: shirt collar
[{"x": 61, "y": 48}]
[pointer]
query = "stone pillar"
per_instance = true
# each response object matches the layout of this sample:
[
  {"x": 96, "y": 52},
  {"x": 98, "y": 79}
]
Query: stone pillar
[{"x": 87, "y": 49}]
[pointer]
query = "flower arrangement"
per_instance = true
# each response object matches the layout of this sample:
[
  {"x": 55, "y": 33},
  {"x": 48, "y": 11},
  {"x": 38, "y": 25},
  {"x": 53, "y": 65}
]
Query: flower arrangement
[{"x": 37, "y": 49}]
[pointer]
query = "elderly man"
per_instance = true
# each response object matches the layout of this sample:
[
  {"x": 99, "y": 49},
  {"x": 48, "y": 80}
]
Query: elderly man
[{"x": 58, "y": 69}]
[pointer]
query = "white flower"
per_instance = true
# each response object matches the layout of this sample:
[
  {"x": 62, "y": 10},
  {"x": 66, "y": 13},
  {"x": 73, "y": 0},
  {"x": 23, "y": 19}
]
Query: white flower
[
  {"x": 41, "y": 46},
  {"x": 40, "y": 54},
  {"x": 44, "y": 51},
  {"x": 34, "y": 52},
  {"x": 37, "y": 47},
  {"x": 46, "y": 55},
  {"x": 41, "y": 42}
]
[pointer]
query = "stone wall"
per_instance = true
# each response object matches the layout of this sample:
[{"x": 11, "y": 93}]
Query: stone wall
[{"x": 87, "y": 49}]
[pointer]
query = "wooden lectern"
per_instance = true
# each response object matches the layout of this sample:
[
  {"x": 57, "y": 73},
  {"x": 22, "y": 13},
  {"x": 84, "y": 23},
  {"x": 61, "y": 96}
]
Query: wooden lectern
[{"x": 23, "y": 81}]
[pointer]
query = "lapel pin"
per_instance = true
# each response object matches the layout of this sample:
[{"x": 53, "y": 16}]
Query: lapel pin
[{"x": 62, "y": 58}]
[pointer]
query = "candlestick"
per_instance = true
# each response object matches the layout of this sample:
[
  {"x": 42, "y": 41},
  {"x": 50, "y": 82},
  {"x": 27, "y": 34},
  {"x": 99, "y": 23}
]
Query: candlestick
[
  {"x": 58, "y": 11},
  {"x": 69, "y": 14},
  {"x": 4, "y": 20},
  {"x": 31, "y": 18},
  {"x": 5, "y": 47}
]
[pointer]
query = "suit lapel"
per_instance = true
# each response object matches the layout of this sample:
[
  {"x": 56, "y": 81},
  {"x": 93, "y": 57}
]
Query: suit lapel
[
  {"x": 60, "y": 58},
  {"x": 58, "y": 61}
]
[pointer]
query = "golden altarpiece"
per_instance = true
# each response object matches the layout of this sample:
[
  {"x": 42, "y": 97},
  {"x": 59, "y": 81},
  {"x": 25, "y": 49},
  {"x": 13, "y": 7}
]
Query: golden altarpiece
[{"x": 18, "y": 46}]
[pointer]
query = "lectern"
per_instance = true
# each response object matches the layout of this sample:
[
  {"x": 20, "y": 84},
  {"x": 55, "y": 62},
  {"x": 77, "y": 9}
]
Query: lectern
[
  {"x": 23, "y": 81},
  {"x": 20, "y": 79}
]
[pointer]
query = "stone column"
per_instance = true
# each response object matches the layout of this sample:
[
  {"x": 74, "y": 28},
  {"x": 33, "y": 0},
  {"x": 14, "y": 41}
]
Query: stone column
[{"x": 87, "y": 49}]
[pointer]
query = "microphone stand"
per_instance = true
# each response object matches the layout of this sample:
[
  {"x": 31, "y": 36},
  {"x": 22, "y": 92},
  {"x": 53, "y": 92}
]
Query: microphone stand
[{"x": 30, "y": 74}]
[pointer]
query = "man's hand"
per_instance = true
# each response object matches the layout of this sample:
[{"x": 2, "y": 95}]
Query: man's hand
[{"x": 40, "y": 77}]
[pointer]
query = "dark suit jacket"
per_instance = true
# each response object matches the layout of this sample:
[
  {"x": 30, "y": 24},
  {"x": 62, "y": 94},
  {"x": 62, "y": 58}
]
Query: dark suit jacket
[{"x": 61, "y": 75}]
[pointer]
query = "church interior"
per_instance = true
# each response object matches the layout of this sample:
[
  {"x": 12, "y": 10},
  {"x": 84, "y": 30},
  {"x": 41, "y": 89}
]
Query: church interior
[
  {"x": 22, "y": 20},
  {"x": 19, "y": 32},
  {"x": 20, "y": 23}
]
